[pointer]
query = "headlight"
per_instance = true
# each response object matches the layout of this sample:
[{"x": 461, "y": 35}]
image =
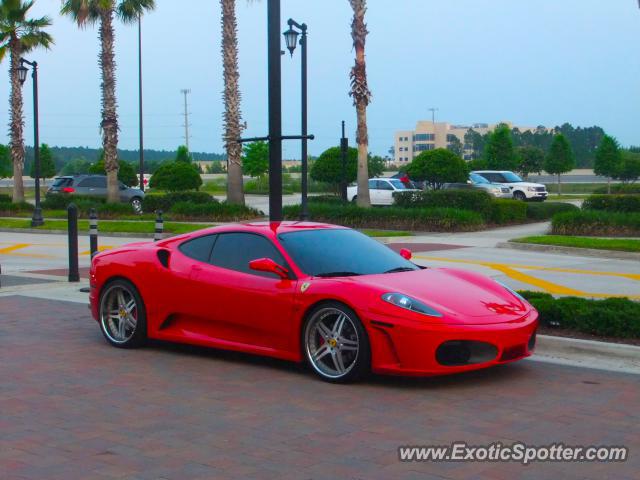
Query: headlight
[
  {"x": 509, "y": 289},
  {"x": 531, "y": 189},
  {"x": 403, "y": 301}
]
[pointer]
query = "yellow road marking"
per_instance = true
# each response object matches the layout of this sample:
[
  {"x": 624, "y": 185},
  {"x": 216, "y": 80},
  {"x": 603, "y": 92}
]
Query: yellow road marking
[
  {"x": 14, "y": 247},
  {"x": 549, "y": 287},
  {"x": 100, "y": 249}
]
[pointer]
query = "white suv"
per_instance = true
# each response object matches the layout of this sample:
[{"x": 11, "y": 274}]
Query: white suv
[
  {"x": 520, "y": 189},
  {"x": 380, "y": 190}
]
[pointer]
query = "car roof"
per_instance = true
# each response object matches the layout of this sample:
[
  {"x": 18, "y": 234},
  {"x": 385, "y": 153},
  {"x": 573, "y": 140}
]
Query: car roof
[{"x": 271, "y": 228}]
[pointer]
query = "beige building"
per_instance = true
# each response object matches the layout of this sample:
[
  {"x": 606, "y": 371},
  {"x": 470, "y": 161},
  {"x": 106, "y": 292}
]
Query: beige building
[{"x": 429, "y": 136}]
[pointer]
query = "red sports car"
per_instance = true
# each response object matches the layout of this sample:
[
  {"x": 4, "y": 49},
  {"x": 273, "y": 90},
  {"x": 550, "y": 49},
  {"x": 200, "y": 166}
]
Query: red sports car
[{"x": 301, "y": 291}]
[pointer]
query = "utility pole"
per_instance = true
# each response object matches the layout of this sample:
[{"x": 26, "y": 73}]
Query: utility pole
[
  {"x": 433, "y": 114},
  {"x": 141, "y": 132},
  {"x": 186, "y": 92}
]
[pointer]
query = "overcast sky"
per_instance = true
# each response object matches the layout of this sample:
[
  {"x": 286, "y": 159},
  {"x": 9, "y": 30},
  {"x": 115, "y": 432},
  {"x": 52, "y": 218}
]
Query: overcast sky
[{"x": 531, "y": 62}]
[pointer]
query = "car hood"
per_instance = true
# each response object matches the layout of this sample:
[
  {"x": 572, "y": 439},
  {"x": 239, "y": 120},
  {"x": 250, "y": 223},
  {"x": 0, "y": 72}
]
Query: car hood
[
  {"x": 461, "y": 296},
  {"x": 526, "y": 184}
]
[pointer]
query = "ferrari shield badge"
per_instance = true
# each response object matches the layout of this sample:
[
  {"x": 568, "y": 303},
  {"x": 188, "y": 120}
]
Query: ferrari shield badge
[{"x": 304, "y": 286}]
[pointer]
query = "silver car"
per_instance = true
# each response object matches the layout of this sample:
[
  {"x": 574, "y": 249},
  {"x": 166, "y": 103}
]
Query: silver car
[
  {"x": 95, "y": 186},
  {"x": 478, "y": 181}
]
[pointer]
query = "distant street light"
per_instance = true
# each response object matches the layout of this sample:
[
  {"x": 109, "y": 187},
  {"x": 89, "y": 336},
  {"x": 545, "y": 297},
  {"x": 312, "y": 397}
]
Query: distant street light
[
  {"x": 36, "y": 219},
  {"x": 291, "y": 40}
]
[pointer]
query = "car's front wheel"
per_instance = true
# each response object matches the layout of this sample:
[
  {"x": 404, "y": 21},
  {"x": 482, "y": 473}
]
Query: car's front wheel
[
  {"x": 335, "y": 343},
  {"x": 122, "y": 315},
  {"x": 520, "y": 196}
]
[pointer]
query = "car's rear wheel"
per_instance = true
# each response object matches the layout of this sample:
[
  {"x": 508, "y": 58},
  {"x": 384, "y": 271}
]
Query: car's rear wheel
[
  {"x": 520, "y": 196},
  {"x": 354, "y": 199},
  {"x": 136, "y": 204},
  {"x": 122, "y": 315},
  {"x": 335, "y": 343}
]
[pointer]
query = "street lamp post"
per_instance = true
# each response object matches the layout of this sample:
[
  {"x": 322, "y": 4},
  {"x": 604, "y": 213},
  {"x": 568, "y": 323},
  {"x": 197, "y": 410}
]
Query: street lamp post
[
  {"x": 141, "y": 131},
  {"x": 36, "y": 219},
  {"x": 291, "y": 37}
]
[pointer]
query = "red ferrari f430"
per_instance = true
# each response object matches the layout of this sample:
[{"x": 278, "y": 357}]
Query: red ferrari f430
[{"x": 323, "y": 294}]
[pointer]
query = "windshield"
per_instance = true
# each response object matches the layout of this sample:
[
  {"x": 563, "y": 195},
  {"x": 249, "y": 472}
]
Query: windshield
[
  {"x": 398, "y": 185},
  {"x": 475, "y": 178},
  {"x": 341, "y": 252},
  {"x": 511, "y": 177}
]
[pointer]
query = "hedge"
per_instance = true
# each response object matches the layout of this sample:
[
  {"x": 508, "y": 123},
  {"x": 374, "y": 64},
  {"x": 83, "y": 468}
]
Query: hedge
[
  {"x": 332, "y": 199},
  {"x": 507, "y": 211},
  {"x": 61, "y": 202},
  {"x": 474, "y": 200},
  {"x": 611, "y": 317},
  {"x": 596, "y": 223},
  {"x": 4, "y": 198},
  {"x": 214, "y": 211},
  {"x": 620, "y": 188},
  {"x": 546, "y": 210},
  {"x": 613, "y": 203},
  {"x": 164, "y": 202},
  {"x": 391, "y": 218},
  {"x": 9, "y": 208}
]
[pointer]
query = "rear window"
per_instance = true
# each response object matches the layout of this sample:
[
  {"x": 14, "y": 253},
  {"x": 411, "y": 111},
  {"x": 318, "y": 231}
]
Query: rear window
[{"x": 62, "y": 182}]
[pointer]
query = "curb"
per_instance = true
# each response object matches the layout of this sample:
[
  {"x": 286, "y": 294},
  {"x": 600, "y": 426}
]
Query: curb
[
  {"x": 588, "y": 353},
  {"x": 102, "y": 234},
  {"x": 584, "y": 252}
]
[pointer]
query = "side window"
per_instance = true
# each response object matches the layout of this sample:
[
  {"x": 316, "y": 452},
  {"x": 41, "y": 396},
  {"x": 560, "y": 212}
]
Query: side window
[
  {"x": 384, "y": 185},
  {"x": 94, "y": 182},
  {"x": 373, "y": 184},
  {"x": 492, "y": 177},
  {"x": 199, "y": 248},
  {"x": 235, "y": 250}
]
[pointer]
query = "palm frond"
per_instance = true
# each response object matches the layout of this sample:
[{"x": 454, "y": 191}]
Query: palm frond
[
  {"x": 129, "y": 10},
  {"x": 82, "y": 12},
  {"x": 35, "y": 40}
]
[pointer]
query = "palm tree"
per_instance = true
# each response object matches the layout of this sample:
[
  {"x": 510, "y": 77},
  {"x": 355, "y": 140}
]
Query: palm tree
[
  {"x": 231, "y": 96},
  {"x": 18, "y": 35},
  {"x": 361, "y": 97},
  {"x": 85, "y": 12}
]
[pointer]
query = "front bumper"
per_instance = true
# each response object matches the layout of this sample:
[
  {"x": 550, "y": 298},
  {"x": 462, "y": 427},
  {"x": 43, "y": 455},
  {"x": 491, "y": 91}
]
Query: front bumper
[
  {"x": 538, "y": 195},
  {"x": 414, "y": 349}
]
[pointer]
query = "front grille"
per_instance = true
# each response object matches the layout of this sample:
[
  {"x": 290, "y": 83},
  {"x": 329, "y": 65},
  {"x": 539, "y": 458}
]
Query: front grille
[
  {"x": 465, "y": 352},
  {"x": 512, "y": 353},
  {"x": 540, "y": 189}
]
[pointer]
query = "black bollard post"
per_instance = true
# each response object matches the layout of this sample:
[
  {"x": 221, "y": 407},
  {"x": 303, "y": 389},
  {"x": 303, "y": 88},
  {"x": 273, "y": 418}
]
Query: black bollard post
[
  {"x": 93, "y": 232},
  {"x": 159, "y": 226},
  {"x": 72, "y": 219}
]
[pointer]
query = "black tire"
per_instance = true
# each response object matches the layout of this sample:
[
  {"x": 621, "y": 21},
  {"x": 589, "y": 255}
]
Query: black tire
[
  {"x": 355, "y": 199},
  {"x": 134, "y": 336},
  {"x": 357, "y": 365},
  {"x": 520, "y": 196}
]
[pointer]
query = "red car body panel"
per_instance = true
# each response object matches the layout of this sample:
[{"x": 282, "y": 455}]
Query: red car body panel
[{"x": 203, "y": 304}]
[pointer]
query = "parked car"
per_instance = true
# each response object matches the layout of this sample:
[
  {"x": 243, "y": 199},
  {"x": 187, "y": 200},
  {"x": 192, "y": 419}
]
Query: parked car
[
  {"x": 308, "y": 292},
  {"x": 520, "y": 189},
  {"x": 478, "y": 181},
  {"x": 381, "y": 190},
  {"x": 94, "y": 186}
]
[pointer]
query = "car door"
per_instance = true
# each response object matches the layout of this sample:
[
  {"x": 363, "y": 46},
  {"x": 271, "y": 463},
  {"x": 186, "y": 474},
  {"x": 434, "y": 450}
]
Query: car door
[
  {"x": 374, "y": 192},
  {"x": 240, "y": 305},
  {"x": 93, "y": 186},
  {"x": 385, "y": 190}
]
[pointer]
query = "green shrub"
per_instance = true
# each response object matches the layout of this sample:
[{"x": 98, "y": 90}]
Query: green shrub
[
  {"x": 106, "y": 210},
  {"x": 612, "y": 317},
  {"x": 613, "y": 203},
  {"x": 619, "y": 188},
  {"x": 164, "y": 202},
  {"x": 507, "y": 211},
  {"x": 332, "y": 199},
  {"x": 475, "y": 200},
  {"x": 214, "y": 211},
  {"x": 176, "y": 177},
  {"x": 4, "y": 198},
  {"x": 546, "y": 210},
  {"x": 9, "y": 208},
  {"x": 61, "y": 202},
  {"x": 391, "y": 218},
  {"x": 437, "y": 167},
  {"x": 596, "y": 223}
]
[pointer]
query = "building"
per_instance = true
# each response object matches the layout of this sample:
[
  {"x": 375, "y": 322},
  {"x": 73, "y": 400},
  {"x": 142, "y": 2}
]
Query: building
[{"x": 429, "y": 136}]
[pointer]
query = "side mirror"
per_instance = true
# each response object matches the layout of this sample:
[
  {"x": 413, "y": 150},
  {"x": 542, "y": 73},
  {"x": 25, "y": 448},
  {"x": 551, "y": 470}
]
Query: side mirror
[
  {"x": 469, "y": 182},
  {"x": 268, "y": 265},
  {"x": 406, "y": 253}
]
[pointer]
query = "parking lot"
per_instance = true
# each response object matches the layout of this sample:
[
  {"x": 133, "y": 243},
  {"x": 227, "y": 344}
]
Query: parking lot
[{"x": 73, "y": 407}]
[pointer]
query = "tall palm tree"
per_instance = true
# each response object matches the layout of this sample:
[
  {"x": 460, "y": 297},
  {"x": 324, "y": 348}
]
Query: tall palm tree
[
  {"x": 231, "y": 96},
  {"x": 361, "y": 97},
  {"x": 18, "y": 35},
  {"x": 85, "y": 12}
]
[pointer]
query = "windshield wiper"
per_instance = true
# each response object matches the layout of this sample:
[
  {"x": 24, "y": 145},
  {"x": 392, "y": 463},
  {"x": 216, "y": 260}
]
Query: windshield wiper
[
  {"x": 338, "y": 274},
  {"x": 400, "y": 269}
]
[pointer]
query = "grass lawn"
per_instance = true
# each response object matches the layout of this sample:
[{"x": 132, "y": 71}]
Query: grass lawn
[
  {"x": 619, "y": 244},
  {"x": 142, "y": 226}
]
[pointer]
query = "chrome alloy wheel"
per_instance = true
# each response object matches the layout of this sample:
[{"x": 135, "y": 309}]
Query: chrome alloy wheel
[
  {"x": 118, "y": 314},
  {"x": 331, "y": 342}
]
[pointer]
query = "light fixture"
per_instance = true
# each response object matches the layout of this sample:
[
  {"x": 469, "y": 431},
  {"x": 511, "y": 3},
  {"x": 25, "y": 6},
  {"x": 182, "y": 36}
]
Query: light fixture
[{"x": 291, "y": 39}]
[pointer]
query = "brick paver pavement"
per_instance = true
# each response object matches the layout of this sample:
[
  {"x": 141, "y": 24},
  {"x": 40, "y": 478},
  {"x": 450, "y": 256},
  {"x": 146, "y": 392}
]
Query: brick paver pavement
[{"x": 73, "y": 407}]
